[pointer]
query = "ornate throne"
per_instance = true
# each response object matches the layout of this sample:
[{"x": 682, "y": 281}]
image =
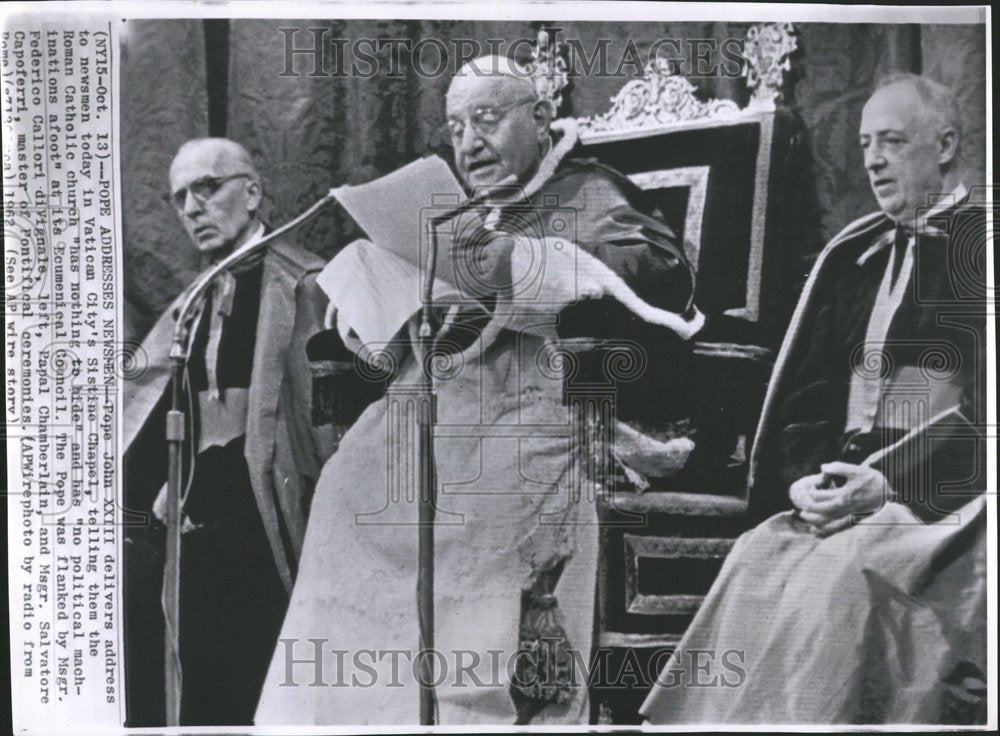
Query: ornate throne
[{"x": 718, "y": 172}]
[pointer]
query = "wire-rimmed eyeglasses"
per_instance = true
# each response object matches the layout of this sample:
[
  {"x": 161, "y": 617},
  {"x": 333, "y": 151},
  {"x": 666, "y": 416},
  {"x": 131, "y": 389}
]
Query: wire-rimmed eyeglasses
[
  {"x": 202, "y": 189},
  {"x": 484, "y": 119}
]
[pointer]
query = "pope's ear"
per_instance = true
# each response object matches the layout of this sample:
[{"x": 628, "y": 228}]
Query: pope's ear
[
  {"x": 949, "y": 146},
  {"x": 542, "y": 114}
]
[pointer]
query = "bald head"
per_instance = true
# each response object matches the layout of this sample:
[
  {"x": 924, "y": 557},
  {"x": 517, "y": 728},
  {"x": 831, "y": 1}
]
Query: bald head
[
  {"x": 499, "y": 127},
  {"x": 910, "y": 139},
  {"x": 216, "y": 191},
  {"x": 220, "y": 154},
  {"x": 494, "y": 71}
]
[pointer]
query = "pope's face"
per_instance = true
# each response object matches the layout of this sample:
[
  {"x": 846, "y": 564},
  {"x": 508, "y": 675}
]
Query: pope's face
[
  {"x": 902, "y": 149},
  {"x": 509, "y": 146},
  {"x": 215, "y": 197}
]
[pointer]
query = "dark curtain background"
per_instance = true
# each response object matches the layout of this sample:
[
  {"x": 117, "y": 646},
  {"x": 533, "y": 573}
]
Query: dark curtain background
[{"x": 190, "y": 78}]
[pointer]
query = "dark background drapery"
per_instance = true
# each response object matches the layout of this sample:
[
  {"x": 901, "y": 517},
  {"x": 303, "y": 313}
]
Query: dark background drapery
[{"x": 188, "y": 78}]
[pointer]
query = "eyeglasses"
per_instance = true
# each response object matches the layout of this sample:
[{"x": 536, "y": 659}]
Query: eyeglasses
[
  {"x": 484, "y": 120},
  {"x": 203, "y": 189}
]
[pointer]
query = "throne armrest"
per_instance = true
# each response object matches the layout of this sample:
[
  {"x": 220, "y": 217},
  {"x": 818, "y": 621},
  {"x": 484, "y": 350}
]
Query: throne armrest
[
  {"x": 676, "y": 504},
  {"x": 343, "y": 384},
  {"x": 705, "y": 372},
  {"x": 589, "y": 363},
  {"x": 710, "y": 390}
]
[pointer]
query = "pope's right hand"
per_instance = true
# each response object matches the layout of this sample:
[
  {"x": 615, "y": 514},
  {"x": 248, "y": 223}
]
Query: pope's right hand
[{"x": 485, "y": 261}]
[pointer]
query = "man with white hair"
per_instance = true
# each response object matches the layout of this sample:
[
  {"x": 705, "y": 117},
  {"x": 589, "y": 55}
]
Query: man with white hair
[
  {"x": 867, "y": 602},
  {"x": 254, "y": 457},
  {"x": 516, "y": 538}
]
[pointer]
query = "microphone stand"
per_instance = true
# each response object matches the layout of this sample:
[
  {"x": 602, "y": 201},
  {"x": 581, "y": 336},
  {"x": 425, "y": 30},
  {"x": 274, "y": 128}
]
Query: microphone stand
[
  {"x": 427, "y": 405},
  {"x": 427, "y": 477},
  {"x": 176, "y": 423},
  {"x": 427, "y": 464}
]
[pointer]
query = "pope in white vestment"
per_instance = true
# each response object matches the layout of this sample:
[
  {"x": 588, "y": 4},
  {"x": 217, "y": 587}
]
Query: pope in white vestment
[{"x": 516, "y": 543}]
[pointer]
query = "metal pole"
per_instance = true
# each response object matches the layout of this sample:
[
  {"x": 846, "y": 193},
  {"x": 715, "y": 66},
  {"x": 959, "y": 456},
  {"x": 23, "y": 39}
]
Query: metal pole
[
  {"x": 426, "y": 411},
  {"x": 180, "y": 346},
  {"x": 425, "y": 575},
  {"x": 171, "y": 569},
  {"x": 427, "y": 465}
]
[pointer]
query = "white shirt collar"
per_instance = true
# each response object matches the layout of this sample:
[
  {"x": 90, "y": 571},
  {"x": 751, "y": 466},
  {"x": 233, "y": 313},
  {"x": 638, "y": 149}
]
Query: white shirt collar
[
  {"x": 949, "y": 200},
  {"x": 922, "y": 226}
]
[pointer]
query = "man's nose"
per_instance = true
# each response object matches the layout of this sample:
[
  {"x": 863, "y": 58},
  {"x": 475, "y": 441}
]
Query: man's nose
[
  {"x": 873, "y": 158},
  {"x": 191, "y": 205},
  {"x": 471, "y": 140}
]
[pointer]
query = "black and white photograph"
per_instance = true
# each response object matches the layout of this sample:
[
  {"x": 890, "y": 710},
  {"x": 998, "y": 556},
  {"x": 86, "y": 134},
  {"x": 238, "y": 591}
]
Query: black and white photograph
[{"x": 574, "y": 364}]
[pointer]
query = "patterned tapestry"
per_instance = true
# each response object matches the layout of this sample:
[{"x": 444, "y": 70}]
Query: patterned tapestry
[
  {"x": 311, "y": 132},
  {"x": 159, "y": 112}
]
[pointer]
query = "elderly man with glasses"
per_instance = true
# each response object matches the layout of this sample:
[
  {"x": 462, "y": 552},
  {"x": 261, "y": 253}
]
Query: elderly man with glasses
[
  {"x": 499, "y": 129},
  {"x": 516, "y": 539},
  {"x": 252, "y": 456}
]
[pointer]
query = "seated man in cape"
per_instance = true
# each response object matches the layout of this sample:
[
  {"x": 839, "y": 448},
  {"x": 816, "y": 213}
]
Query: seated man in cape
[
  {"x": 866, "y": 603},
  {"x": 516, "y": 542},
  {"x": 255, "y": 460}
]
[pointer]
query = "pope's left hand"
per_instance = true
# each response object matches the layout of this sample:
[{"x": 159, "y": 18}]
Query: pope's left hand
[{"x": 851, "y": 489}]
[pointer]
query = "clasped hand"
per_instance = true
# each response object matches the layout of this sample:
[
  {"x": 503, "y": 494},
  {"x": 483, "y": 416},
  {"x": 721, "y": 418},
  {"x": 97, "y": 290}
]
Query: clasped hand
[
  {"x": 484, "y": 261},
  {"x": 828, "y": 500}
]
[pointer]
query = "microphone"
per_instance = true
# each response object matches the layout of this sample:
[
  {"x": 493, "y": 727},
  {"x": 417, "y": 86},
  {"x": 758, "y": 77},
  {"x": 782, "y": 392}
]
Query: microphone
[
  {"x": 569, "y": 133},
  {"x": 481, "y": 197}
]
